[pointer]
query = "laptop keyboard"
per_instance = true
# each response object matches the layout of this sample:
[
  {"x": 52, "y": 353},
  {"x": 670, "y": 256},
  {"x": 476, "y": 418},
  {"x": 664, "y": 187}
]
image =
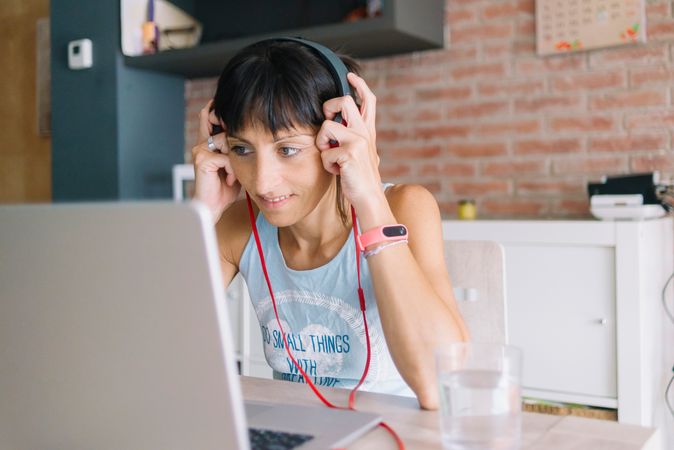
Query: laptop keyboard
[{"x": 275, "y": 440}]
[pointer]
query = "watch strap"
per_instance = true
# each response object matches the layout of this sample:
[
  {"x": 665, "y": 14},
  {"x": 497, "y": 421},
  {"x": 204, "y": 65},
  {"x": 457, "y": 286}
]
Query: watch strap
[{"x": 384, "y": 233}]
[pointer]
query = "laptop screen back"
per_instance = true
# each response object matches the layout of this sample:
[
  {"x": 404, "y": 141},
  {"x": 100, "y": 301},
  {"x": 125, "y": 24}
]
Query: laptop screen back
[{"x": 114, "y": 330}]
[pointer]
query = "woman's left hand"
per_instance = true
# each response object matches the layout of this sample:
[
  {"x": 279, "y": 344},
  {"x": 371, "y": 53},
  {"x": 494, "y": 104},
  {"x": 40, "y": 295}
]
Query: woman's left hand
[{"x": 355, "y": 157}]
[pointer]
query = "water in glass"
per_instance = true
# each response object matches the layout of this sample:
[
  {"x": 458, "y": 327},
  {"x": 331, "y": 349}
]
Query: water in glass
[{"x": 481, "y": 409}]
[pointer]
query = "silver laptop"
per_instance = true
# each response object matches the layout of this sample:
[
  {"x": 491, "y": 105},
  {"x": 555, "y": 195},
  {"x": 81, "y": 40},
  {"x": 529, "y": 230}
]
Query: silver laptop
[{"x": 114, "y": 335}]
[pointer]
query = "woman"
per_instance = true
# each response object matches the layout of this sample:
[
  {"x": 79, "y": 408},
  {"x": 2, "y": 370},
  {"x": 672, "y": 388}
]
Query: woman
[{"x": 276, "y": 102}]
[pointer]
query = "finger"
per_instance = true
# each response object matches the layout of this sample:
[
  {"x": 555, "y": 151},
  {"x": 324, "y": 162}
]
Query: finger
[
  {"x": 206, "y": 162},
  {"x": 220, "y": 143},
  {"x": 345, "y": 106},
  {"x": 230, "y": 178},
  {"x": 205, "y": 127},
  {"x": 332, "y": 160},
  {"x": 333, "y": 131},
  {"x": 202, "y": 150},
  {"x": 368, "y": 105},
  {"x": 216, "y": 123}
]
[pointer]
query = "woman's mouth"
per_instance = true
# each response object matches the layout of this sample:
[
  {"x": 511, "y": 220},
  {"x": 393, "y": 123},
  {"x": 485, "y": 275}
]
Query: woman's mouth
[{"x": 274, "y": 202}]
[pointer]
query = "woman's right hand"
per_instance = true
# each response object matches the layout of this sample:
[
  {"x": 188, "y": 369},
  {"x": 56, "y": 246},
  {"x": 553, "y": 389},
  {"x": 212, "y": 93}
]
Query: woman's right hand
[{"x": 215, "y": 183}]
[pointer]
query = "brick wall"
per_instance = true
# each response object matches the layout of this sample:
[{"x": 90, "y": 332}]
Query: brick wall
[{"x": 488, "y": 119}]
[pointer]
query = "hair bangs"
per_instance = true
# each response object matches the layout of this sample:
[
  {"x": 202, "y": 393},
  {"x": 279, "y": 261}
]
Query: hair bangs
[
  {"x": 274, "y": 92},
  {"x": 285, "y": 105}
]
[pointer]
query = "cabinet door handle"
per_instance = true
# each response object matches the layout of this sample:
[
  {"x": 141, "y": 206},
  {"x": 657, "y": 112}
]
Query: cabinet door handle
[
  {"x": 466, "y": 294},
  {"x": 602, "y": 321}
]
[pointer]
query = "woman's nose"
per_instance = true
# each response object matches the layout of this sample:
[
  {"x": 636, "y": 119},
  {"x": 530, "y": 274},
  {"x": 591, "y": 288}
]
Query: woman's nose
[{"x": 267, "y": 176}]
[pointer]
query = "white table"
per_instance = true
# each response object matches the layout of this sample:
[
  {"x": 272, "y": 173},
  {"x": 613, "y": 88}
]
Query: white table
[{"x": 419, "y": 429}]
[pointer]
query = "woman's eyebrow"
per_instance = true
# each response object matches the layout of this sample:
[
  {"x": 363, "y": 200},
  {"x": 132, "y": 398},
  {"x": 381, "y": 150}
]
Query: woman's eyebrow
[
  {"x": 281, "y": 138},
  {"x": 290, "y": 136},
  {"x": 239, "y": 139}
]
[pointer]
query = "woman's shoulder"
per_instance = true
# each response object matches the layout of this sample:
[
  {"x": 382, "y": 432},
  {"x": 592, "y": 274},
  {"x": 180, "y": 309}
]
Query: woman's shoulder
[
  {"x": 415, "y": 207},
  {"x": 233, "y": 231},
  {"x": 407, "y": 199}
]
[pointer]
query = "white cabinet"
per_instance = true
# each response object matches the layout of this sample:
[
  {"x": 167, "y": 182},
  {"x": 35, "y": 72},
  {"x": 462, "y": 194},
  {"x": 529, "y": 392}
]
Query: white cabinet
[
  {"x": 584, "y": 304},
  {"x": 562, "y": 312}
]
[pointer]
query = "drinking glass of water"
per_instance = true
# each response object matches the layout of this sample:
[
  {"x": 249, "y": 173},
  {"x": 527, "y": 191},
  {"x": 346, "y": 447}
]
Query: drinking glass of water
[{"x": 480, "y": 396}]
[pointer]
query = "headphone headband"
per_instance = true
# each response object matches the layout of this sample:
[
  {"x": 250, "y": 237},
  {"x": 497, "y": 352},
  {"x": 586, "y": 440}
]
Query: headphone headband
[{"x": 336, "y": 66}]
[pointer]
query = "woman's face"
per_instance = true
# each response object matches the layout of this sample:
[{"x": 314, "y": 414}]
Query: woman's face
[{"x": 284, "y": 177}]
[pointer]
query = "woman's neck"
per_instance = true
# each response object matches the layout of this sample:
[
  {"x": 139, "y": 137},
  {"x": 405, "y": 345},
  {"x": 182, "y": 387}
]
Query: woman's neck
[{"x": 320, "y": 231}]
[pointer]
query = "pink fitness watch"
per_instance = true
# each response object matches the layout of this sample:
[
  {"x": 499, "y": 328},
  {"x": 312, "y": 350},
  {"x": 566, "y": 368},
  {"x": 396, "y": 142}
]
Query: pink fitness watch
[{"x": 384, "y": 233}]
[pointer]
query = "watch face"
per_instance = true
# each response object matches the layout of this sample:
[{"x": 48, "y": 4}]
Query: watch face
[{"x": 395, "y": 231}]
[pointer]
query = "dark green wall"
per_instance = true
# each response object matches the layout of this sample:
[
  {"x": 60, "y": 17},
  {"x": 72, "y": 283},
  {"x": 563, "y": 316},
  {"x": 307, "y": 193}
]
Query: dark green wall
[
  {"x": 151, "y": 123},
  {"x": 84, "y": 103},
  {"x": 116, "y": 131}
]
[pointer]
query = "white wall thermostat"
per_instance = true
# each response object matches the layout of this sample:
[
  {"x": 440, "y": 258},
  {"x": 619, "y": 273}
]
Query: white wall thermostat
[{"x": 80, "y": 54}]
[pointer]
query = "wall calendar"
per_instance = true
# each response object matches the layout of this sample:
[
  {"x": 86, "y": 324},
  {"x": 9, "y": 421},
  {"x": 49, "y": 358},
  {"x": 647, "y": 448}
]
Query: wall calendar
[{"x": 573, "y": 25}]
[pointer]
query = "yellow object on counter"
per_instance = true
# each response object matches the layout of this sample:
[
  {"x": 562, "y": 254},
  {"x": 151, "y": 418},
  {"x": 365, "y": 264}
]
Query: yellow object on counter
[{"x": 467, "y": 209}]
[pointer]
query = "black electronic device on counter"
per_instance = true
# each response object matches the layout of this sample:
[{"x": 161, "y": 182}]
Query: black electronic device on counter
[{"x": 628, "y": 197}]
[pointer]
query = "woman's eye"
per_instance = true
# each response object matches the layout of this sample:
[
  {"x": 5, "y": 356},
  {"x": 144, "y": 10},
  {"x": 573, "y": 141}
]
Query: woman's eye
[
  {"x": 240, "y": 150},
  {"x": 289, "y": 151}
]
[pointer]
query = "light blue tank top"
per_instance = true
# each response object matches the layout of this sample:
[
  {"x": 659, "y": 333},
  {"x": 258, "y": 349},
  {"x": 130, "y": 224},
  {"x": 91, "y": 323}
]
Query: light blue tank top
[{"x": 320, "y": 313}]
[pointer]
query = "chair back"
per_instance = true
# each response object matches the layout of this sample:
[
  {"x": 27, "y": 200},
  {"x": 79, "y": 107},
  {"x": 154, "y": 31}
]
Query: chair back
[{"x": 477, "y": 272}]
